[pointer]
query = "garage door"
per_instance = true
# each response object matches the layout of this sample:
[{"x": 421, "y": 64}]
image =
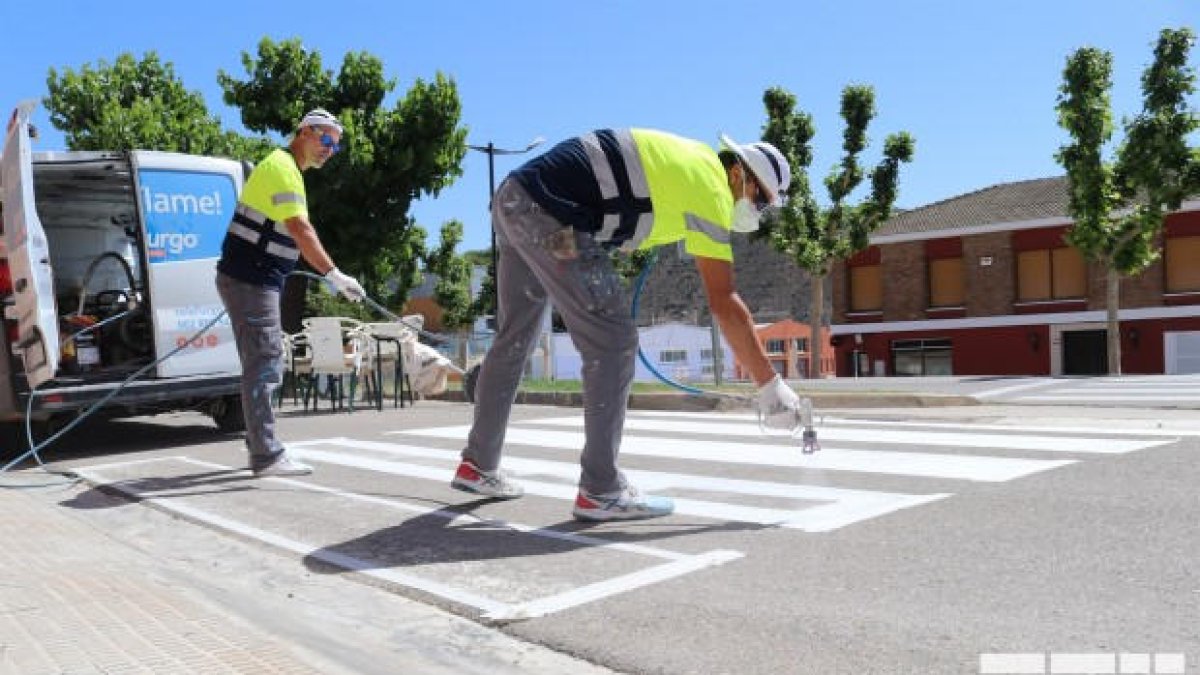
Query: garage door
[{"x": 1182, "y": 352}]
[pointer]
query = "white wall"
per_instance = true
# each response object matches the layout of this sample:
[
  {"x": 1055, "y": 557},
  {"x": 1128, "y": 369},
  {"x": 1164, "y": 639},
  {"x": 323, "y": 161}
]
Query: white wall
[{"x": 654, "y": 340}]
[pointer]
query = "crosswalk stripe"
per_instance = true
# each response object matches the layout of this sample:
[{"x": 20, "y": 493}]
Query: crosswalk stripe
[
  {"x": 1083, "y": 396},
  {"x": 1105, "y": 430},
  {"x": 931, "y": 465},
  {"x": 826, "y": 433},
  {"x": 830, "y": 508}
]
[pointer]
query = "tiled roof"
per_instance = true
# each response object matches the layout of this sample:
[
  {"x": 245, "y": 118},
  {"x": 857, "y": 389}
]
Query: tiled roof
[{"x": 1005, "y": 203}]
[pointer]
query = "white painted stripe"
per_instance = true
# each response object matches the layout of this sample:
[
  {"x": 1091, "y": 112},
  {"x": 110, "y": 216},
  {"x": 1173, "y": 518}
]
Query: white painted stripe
[
  {"x": 1101, "y": 430},
  {"x": 823, "y": 421},
  {"x": 1012, "y": 664},
  {"x": 621, "y": 584},
  {"x": 836, "y": 507},
  {"x": 678, "y": 565},
  {"x": 451, "y": 593},
  {"x": 932, "y": 465},
  {"x": 1003, "y": 391},
  {"x": 1097, "y": 663},
  {"x": 467, "y": 518},
  {"x": 130, "y": 462},
  {"x": 1014, "y": 441},
  {"x": 1083, "y": 397}
]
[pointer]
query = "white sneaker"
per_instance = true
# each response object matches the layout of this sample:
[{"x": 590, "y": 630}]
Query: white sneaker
[
  {"x": 626, "y": 504},
  {"x": 283, "y": 465},
  {"x": 495, "y": 484}
]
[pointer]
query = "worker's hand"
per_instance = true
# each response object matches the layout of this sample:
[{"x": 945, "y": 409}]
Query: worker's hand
[
  {"x": 345, "y": 284},
  {"x": 778, "y": 405}
]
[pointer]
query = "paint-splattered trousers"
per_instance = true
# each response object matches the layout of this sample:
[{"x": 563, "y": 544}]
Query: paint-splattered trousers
[
  {"x": 254, "y": 313},
  {"x": 540, "y": 257}
]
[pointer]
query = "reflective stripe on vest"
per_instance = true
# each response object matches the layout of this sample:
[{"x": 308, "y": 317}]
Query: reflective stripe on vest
[
  {"x": 622, "y": 182},
  {"x": 254, "y": 227}
]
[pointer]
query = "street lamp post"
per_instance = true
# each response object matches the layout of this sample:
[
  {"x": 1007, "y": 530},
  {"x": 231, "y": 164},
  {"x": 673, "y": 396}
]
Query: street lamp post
[{"x": 491, "y": 151}]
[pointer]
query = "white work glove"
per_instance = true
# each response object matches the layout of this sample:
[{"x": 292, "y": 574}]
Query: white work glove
[
  {"x": 778, "y": 405},
  {"x": 345, "y": 284}
]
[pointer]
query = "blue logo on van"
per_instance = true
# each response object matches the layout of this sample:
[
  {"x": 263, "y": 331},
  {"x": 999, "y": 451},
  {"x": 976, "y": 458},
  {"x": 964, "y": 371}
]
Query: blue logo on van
[{"x": 187, "y": 213}]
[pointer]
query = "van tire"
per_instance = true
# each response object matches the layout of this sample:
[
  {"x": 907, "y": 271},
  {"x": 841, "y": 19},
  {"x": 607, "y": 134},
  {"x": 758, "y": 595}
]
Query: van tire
[{"x": 227, "y": 413}]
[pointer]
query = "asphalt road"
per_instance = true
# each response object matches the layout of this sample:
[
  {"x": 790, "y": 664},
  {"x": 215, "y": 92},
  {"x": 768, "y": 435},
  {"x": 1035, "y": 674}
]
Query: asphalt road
[{"x": 914, "y": 542}]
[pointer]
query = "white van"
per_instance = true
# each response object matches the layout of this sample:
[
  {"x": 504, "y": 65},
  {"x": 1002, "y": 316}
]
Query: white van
[{"x": 89, "y": 235}]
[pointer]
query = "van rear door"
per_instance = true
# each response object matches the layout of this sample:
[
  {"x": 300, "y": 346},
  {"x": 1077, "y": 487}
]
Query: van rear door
[
  {"x": 186, "y": 204},
  {"x": 28, "y": 254}
]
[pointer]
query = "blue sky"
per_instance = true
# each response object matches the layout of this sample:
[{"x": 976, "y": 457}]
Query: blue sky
[{"x": 974, "y": 81}]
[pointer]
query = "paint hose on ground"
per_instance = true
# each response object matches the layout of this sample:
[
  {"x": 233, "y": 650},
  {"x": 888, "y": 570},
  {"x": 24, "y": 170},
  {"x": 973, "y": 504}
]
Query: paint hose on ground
[
  {"x": 35, "y": 448},
  {"x": 801, "y": 428}
]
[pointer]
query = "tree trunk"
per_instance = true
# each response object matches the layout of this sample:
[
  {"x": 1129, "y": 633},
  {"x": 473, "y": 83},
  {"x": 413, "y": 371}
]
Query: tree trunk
[
  {"x": 815, "y": 311},
  {"x": 1113, "y": 300}
]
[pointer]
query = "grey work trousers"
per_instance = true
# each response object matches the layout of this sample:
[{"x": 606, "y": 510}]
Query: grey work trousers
[
  {"x": 254, "y": 314},
  {"x": 540, "y": 256}
]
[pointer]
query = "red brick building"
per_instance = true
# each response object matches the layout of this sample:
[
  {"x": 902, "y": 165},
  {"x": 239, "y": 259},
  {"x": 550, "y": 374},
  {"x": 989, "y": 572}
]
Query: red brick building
[
  {"x": 984, "y": 284},
  {"x": 788, "y": 346}
]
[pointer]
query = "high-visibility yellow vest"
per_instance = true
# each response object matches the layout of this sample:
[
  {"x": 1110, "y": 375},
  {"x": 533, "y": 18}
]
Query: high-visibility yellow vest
[
  {"x": 258, "y": 247},
  {"x": 636, "y": 189}
]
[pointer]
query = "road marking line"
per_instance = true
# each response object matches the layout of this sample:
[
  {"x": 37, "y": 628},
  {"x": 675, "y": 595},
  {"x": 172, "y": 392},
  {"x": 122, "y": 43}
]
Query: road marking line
[
  {"x": 824, "y": 421},
  {"x": 621, "y": 584},
  {"x": 1083, "y": 397},
  {"x": 306, "y": 550},
  {"x": 835, "y": 507},
  {"x": 1004, "y": 391},
  {"x": 678, "y": 563},
  {"x": 931, "y": 465},
  {"x": 953, "y": 439}
]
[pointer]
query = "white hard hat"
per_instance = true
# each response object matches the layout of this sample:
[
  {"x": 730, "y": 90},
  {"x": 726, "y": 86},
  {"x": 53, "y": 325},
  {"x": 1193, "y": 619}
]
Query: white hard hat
[
  {"x": 319, "y": 117},
  {"x": 767, "y": 164}
]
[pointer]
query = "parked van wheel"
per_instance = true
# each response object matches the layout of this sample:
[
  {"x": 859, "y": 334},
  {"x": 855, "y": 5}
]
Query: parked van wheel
[{"x": 227, "y": 413}]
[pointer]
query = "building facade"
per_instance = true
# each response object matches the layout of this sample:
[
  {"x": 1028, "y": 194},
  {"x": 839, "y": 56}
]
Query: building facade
[{"x": 985, "y": 284}]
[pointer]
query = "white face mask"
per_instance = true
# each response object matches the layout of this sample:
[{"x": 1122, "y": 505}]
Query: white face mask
[{"x": 745, "y": 216}]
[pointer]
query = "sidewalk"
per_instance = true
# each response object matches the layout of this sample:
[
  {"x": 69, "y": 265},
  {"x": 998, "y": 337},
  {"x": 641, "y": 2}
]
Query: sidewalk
[{"x": 87, "y": 586}]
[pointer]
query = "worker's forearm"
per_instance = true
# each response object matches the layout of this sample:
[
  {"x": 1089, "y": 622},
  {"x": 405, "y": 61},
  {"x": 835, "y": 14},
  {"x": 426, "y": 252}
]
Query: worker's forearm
[
  {"x": 310, "y": 246},
  {"x": 738, "y": 327}
]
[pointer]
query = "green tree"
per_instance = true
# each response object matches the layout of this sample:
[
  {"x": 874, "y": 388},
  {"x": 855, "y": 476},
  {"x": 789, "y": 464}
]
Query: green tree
[
  {"x": 1118, "y": 208},
  {"x": 453, "y": 288},
  {"x": 138, "y": 104},
  {"x": 360, "y": 200},
  {"x": 814, "y": 236}
]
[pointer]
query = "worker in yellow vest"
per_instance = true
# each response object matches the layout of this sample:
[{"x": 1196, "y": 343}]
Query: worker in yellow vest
[
  {"x": 269, "y": 232},
  {"x": 556, "y": 218}
]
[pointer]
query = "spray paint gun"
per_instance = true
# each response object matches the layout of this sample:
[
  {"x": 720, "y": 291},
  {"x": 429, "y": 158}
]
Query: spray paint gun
[{"x": 780, "y": 409}]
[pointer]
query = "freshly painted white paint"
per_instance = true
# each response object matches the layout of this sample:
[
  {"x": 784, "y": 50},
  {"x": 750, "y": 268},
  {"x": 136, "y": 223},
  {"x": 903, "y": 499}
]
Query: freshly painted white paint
[
  {"x": 759, "y": 452},
  {"x": 677, "y": 564},
  {"x": 1003, "y": 391},
  {"x": 821, "y": 508},
  {"x": 1012, "y": 441}
]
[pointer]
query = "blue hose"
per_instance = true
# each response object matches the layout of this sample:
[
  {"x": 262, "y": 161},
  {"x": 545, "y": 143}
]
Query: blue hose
[{"x": 637, "y": 295}]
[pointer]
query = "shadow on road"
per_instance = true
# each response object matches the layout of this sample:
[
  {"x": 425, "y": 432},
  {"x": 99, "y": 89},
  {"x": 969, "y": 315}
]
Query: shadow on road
[{"x": 442, "y": 537}]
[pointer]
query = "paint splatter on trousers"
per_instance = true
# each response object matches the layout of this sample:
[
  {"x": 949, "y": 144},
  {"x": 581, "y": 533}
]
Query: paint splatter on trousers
[{"x": 542, "y": 260}]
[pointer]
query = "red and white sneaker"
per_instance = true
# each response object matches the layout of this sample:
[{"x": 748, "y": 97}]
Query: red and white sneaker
[
  {"x": 626, "y": 504},
  {"x": 495, "y": 484}
]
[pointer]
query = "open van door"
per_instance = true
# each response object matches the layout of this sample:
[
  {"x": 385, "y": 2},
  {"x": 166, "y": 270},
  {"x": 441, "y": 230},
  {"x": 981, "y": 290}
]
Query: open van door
[{"x": 28, "y": 254}]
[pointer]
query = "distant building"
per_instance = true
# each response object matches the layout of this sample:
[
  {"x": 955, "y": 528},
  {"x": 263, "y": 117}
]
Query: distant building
[
  {"x": 680, "y": 352},
  {"x": 788, "y": 345},
  {"x": 984, "y": 284}
]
